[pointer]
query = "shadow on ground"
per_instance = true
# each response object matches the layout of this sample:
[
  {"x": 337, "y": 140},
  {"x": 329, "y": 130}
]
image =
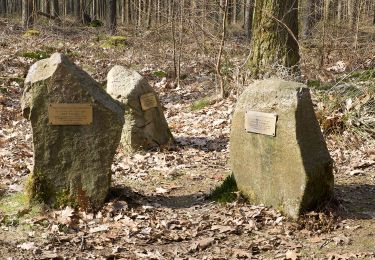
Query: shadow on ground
[
  {"x": 135, "y": 199},
  {"x": 357, "y": 201},
  {"x": 203, "y": 143}
]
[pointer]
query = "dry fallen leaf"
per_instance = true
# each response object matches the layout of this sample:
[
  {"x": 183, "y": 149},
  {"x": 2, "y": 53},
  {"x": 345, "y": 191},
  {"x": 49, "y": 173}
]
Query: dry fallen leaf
[
  {"x": 99, "y": 228},
  {"x": 27, "y": 246},
  {"x": 291, "y": 255}
]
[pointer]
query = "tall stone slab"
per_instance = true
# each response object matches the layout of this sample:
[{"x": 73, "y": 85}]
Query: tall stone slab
[
  {"x": 76, "y": 129},
  {"x": 145, "y": 125},
  {"x": 291, "y": 170}
]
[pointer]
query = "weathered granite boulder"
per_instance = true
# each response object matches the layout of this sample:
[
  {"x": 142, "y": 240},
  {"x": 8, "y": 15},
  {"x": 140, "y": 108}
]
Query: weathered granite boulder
[
  {"x": 292, "y": 170},
  {"x": 72, "y": 162},
  {"x": 145, "y": 125}
]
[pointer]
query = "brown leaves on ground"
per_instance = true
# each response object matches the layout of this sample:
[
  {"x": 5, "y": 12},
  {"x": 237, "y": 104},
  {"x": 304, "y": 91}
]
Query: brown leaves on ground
[{"x": 158, "y": 208}]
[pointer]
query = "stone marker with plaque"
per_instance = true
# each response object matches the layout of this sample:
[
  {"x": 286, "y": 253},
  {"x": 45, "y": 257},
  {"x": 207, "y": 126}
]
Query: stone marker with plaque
[
  {"x": 76, "y": 129},
  {"x": 277, "y": 152},
  {"x": 145, "y": 125}
]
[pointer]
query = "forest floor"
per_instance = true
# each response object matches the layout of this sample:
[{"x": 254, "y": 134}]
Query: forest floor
[{"x": 159, "y": 207}]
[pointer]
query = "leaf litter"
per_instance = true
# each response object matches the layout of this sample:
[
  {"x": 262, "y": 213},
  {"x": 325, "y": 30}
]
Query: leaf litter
[{"x": 158, "y": 207}]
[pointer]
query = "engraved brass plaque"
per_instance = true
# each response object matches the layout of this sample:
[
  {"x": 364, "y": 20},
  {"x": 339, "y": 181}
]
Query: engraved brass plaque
[
  {"x": 70, "y": 114},
  {"x": 260, "y": 123},
  {"x": 148, "y": 101}
]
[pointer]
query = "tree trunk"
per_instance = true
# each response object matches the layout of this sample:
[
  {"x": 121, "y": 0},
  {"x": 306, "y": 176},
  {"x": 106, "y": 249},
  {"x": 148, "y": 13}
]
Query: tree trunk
[
  {"x": 27, "y": 17},
  {"x": 234, "y": 11},
  {"x": 249, "y": 10},
  {"x": 308, "y": 17},
  {"x": 78, "y": 11},
  {"x": 55, "y": 10},
  {"x": 275, "y": 34},
  {"x": 353, "y": 13},
  {"x": 111, "y": 17},
  {"x": 3, "y": 7}
]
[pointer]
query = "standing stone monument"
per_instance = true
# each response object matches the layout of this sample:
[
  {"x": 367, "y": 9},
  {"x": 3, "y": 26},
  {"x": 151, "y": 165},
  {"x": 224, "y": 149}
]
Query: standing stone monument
[
  {"x": 145, "y": 125},
  {"x": 277, "y": 151},
  {"x": 76, "y": 129}
]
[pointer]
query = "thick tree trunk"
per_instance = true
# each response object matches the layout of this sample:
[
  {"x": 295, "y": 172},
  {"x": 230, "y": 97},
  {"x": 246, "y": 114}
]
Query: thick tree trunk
[
  {"x": 275, "y": 34},
  {"x": 27, "y": 17},
  {"x": 111, "y": 17}
]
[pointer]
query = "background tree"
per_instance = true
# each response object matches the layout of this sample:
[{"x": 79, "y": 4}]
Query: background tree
[
  {"x": 249, "y": 10},
  {"x": 275, "y": 32},
  {"x": 27, "y": 14},
  {"x": 111, "y": 17}
]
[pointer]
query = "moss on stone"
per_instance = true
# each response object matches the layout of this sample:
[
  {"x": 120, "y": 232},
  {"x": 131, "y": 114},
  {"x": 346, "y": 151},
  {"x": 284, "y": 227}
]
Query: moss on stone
[
  {"x": 38, "y": 188},
  {"x": 63, "y": 199}
]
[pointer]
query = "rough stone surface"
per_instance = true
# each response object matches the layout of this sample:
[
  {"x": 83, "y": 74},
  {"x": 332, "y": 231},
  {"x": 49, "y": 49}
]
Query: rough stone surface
[
  {"x": 142, "y": 129},
  {"x": 292, "y": 171},
  {"x": 72, "y": 164}
]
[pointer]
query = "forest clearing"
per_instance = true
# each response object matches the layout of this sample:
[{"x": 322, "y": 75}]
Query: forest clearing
[{"x": 180, "y": 200}]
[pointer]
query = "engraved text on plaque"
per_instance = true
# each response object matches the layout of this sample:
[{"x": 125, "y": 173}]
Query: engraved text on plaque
[
  {"x": 148, "y": 101},
  {"x": 70, "y": 114},
  {"x": 260, "y": 123}
]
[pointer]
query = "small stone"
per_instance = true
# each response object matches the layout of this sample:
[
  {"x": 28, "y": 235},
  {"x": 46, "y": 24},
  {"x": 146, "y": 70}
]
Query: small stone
[
  {"x": 291, "y": 171},
  {"x": 145, "y": 127}
]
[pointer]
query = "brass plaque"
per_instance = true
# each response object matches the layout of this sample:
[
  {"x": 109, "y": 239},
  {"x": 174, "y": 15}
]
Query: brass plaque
[
  {"x": 70, "y": 114},
  {"x": 260, "y": 123},
  {"x": 148, "y": 101}
]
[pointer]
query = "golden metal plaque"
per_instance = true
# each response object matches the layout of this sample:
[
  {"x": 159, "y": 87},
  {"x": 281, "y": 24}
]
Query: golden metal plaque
[
  {"x": 148, "y": 101},
  {"x": 70, "y": 114},
  {"x": 260, "y": 123}
]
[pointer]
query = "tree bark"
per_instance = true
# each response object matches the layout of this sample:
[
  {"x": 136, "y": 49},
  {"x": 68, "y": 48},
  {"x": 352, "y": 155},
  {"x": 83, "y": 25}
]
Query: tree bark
[
  {"x": 111, "y": 17},
  {"x": 3, "y": 7},
  {"x": 308, "y": 17},
  {"x": 27, "y": 17},
  {"x": 55, "y": 10},
  {"x": 249, "y": 10},
  {"x": 275, "y": 36}
]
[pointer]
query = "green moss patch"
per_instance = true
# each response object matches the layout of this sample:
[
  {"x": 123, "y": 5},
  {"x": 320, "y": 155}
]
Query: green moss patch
[
  {"x": 38, "y": 188},
  {"x": 160, "y": 74},
  {"x": 226, "y": 192},
  {"x": 16, "y": 207},
  {"x": 114, "y": 42},
  {"x": 96, "y": 23},
  {"x": 363, "y": 75},
  {"x": 200, "y": 104},
  {"x": 36, "y": 55},
  {"x": 31, "y": 33}
]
